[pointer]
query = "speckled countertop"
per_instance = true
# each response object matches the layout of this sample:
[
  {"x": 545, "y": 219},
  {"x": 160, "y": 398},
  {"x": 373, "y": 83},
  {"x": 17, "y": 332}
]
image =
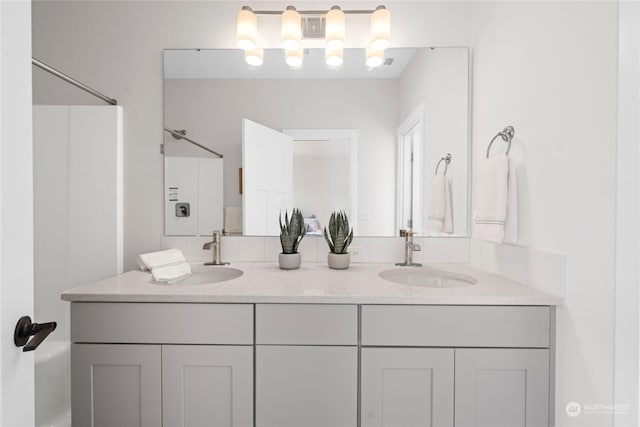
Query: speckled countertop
[{"x": 312, "y": 283}]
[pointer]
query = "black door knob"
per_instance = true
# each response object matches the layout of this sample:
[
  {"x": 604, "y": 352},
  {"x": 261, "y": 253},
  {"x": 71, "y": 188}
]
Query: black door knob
[{"x": 25, "y": 329}]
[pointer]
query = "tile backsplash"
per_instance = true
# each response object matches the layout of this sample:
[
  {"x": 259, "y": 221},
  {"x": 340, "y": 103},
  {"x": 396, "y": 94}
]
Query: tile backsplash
[
  {"x": 314, "y": 249},
  {"x": 541, "y": 270},
  {"x": 538, "y": 269}
]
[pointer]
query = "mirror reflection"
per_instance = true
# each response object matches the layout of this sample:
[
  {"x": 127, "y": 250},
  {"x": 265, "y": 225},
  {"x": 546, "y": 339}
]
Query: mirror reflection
[{"x": 366, "y": 141}]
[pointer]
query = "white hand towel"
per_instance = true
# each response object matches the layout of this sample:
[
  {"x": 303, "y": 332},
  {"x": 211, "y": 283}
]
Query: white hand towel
[
  {"x": 439, "y": 219},
  {"x": 447, "y": 227},
  {"x": 491, "y": 199},
  {"x": 511, "y": 221},
  {"x": 171, "y": 273},
  {"x": 160, "y": 259}
]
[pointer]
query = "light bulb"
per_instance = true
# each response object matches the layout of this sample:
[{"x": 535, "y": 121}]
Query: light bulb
[
  {"x": 247, "y": 28},
  {"x": 333, "y": 57},
  {"x": 291, "y": 29},
  {"x": 254, "y": 57},
  {"x": 380, "y": 28},
  {"x": 293, "y": 58},
  {"x": 374, "y": 58},
  {"x": 334, "y": 28}
]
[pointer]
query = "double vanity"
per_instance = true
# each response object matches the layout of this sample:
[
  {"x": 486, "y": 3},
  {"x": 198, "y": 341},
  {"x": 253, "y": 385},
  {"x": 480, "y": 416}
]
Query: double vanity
[{"x": 252, "y": 345}]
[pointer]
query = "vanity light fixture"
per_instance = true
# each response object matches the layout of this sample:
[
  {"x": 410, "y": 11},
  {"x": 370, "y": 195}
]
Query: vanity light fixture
[
  {"x": 334, "y": 28},
  {"x": 334, "y": 58},
  {"x": 293, "y": 58},
  {"x": 254, "y": 57},
  {"x": 380, "y": 28},
  {"x": 291, "y": 29},
  {"x": 247, "y": 29},
  {"x": 374, "y": 58},
  {"x": 327, "y": 24}
]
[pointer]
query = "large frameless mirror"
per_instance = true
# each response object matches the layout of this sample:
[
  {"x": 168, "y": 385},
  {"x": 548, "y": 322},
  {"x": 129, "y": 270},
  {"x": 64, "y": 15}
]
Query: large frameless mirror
[{"x": 354, "y": 138}]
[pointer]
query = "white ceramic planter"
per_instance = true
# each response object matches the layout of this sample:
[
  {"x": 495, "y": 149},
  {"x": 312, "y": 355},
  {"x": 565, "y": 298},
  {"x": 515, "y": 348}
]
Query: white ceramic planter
[
  {"x": 338, "y": 261},
  {"x": 289, "y": 261}
]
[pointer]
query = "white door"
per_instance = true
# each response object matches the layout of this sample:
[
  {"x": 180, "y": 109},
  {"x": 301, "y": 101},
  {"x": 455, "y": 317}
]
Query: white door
[
  {"x": 16, "y": 211},
  {"x": 267, "y": 168}
]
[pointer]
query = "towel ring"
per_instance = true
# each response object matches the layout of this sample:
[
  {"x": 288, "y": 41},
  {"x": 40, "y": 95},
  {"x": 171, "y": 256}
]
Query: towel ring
[
  {"x": 447, "y": 160},
  {"x": 506, "y": 135}
]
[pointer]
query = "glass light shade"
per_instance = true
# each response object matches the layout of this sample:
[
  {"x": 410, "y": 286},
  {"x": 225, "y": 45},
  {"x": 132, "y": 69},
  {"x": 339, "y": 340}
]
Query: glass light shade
[
  {"x": 374, "y": 58},
  {"x": 254, "y": 57},
  {"x": 380, "y": 29},
  {"x": 334, "y": 29},
  {"x": 247, "y": 29},
  {"x": 334, "y": 57},
  {"x": 293, "y": 58},
  {"x": 291, "y": 29}
]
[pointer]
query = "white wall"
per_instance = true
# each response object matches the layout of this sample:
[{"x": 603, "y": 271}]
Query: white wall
[
  {"x": 212, "y": 110},
  {"x": 116, "y": 47},
  {"x": 439, "y": 79},
  {"x": 628, "y": 216},
  {"x": 550, "y": 70},
  {"x": 320, "y": 184}
]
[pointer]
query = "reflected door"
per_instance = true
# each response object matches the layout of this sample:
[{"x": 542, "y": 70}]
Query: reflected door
[
  {"x": 267, "y": 168},
  {"x": 410, "y": 183}
]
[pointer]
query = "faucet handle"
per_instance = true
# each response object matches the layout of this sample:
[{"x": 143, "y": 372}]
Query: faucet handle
[{"x": 406, "y": 233}]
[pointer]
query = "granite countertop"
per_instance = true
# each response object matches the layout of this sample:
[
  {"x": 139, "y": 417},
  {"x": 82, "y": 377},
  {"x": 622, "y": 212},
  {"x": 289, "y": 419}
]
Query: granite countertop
[{"x": 312, "y": 283}]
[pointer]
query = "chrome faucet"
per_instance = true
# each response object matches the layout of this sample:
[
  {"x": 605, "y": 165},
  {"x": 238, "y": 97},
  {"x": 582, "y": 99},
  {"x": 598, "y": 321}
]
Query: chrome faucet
[
  {"x": 409, "y": 248},
  {"x": 214, "y": 245}
]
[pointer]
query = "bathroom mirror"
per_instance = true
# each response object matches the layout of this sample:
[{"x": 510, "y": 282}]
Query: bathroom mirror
[{"x": 364, "y": 140}]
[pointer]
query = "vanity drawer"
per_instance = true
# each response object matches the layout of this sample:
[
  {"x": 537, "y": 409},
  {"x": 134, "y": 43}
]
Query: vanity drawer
[
  {"x": 161, "y": 323},
  {"x": 306, "y": 324},
  {"x": 456, "y": 326}
]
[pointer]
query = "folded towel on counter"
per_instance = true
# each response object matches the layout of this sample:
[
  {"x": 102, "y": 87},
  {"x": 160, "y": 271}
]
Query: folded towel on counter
[
  {"x": 233, "y": 219},
  {"x": 165, "y": 266},
  {"x": 171, "y": 273},
  {"x": 160, "y": 259},
  {"x": 440, "y": 220},
  {"x": 496, "y": 208}
]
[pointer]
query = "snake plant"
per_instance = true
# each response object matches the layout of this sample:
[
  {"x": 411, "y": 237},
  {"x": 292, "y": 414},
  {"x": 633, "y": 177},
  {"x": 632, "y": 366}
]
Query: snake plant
[
  {"x": 340, "y": 235},
  {"x": 291, "y": 231}
]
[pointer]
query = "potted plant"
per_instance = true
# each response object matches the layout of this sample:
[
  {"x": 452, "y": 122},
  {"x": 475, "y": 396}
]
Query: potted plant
[
  {"x": 291, "y": 233},
  {"x": 338, "y": 238}
]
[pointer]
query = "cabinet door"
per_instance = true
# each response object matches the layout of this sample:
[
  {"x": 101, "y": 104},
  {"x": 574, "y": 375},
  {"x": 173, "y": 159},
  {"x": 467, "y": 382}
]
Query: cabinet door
[
  {"x": 207, "y": 386},
  {"x": 306, "y": 386},
  {"x": 502, "y": 387},
  {"x": 115, "y": 385},
  {"x": 407, "y": 387}
]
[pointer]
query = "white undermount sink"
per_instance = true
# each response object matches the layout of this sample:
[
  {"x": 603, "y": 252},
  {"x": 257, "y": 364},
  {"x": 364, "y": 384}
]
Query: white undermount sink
[
  {"x": 427, "y": 277},
  {"x": 212, "y": 275}
]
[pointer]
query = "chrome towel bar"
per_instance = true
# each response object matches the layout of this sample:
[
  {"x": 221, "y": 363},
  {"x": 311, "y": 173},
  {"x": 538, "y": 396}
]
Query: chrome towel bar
[
  {"x": 507, "y": 135},
  {"x": 447, "y": 160}
]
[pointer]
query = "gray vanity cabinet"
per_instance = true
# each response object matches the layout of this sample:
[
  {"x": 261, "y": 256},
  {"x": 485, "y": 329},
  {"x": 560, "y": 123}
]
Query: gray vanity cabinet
[
  {"x": 207, "y": 386},
  {"x": 407, "y": 387},
  {"x": 161, "y": 365},
  {"x": 306, "y": 365},
  {"x": 116, "y": 385},
  {"x": 406, "y": 383},
  {"x": 502, "y": 387}
]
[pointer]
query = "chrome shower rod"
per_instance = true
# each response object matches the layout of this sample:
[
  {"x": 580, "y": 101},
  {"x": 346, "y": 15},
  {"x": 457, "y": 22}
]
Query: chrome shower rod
[
  {"x": 180, "y": 134},
  {"x": 71, "y": 80}
]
